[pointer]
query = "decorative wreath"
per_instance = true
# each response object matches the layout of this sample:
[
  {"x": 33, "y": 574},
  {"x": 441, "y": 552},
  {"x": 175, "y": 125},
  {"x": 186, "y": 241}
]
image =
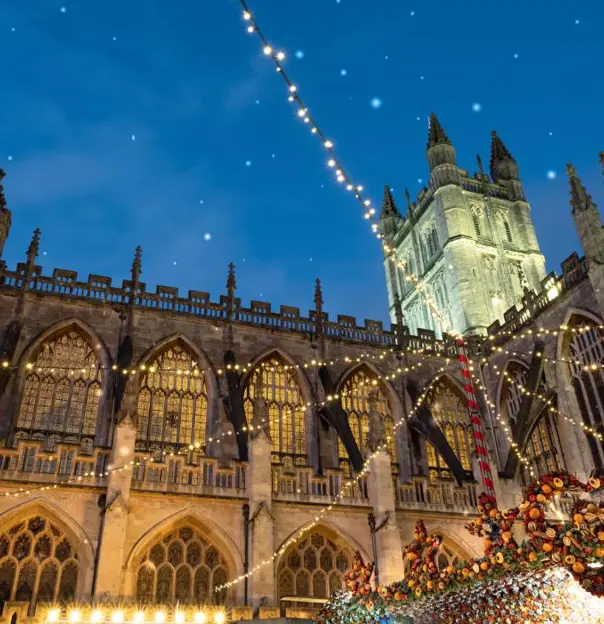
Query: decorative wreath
[{"x": 530, "y": 572}]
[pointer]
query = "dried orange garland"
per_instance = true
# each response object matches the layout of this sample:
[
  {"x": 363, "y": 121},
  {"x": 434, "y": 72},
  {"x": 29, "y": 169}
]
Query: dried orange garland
[{"x": 551, "y": 549}]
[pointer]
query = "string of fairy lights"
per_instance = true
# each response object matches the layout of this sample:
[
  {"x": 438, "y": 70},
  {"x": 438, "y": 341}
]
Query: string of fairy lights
[
  {"x": 342, "y": 177},
  {"x": 382, "y": 447}
]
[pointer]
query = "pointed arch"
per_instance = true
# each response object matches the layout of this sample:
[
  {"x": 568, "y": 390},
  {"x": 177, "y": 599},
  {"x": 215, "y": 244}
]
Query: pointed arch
[
  {"x": 585, "y": 351},
  {"x": 176, "y": 386},
  {"x": 541, "y": 443},
  {"x": 45, "y": 554},
  {"x": 446, "y": 401},
  {"x": 63, "y": 383},
  {"x": 353, "y": 387},
  {"x": 286, "y": 390},
  {"x": 188, "y": 541},
  {"x": 314, "y": 566}
]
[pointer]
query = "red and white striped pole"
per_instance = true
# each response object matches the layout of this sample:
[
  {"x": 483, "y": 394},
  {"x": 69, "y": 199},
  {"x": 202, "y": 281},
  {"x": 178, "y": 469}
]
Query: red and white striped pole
[{"x": 477, "y": 427}]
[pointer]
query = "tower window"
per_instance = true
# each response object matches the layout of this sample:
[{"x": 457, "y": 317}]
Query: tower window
[
  {"x": 476, "y": 219},
  {"x": 508, "y": 231}
]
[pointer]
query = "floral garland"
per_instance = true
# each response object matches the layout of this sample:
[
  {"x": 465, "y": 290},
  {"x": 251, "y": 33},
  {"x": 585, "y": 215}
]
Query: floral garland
[{"x": 552, "y": 549}]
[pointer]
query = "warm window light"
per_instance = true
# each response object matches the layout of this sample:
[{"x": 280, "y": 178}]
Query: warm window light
[
  {"x": 219, "y": 618},
  {"x": 200, "y": 617},
  {"x": 139, "y": 617},
  {"x": 179, "y": 617},
  {"x": 53, "y": 615},
  {"x": 97, "y": 616},
  {"x": 74, "y": 616},
  {"x": 117, "y": 617},
  {"x": 160, "y": 617},
  {"x": 552, "y": 293}
]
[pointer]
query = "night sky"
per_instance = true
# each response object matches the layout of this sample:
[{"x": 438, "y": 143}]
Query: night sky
[{"x": 162, "y": 124}]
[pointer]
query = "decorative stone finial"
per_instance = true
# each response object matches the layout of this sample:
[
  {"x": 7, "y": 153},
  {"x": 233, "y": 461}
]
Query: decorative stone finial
[
  {"x": 389, "y": 208},
  {"x": 3, "y": 205},
  {"x": 231, "y": 284},
  {"x": 137, "y": 265},
  {"x": 318, "y": 295},
  {"x": 479, "y": 162},
  {"x": 499, "y": 154},
  {"x": 436, "y": 134},
  {"x": 580, "y": 199},
  {"x": 34, "y": 248}
]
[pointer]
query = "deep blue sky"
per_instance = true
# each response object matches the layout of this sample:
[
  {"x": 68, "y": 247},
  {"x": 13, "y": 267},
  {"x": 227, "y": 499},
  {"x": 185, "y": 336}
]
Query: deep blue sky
[{"x": 193, "y": 89}]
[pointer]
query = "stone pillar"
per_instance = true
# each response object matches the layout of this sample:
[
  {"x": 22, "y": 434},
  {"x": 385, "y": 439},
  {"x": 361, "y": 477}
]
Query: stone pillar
[
  {"x": 112, "y": 557},
  {"x": 381, "y": 495},
  {"x": 259, "y": 486}
]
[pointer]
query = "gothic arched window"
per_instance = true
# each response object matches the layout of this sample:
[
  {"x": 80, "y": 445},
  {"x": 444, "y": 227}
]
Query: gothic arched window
[
  {"x": 586, "y": 350},
  {"x": 286, "y": 409},
  {"x": 355, "y": 395},
  {"x": 181, "y": 567},
  {"x": 449, "y": 409},
  {"x": 62, "y": 390},
  {"x": 543, "y": 446},
  {"x": 172, "y": 402},
  {"x": 37, "y": 563},
  {"x": 313, "y": 568}
]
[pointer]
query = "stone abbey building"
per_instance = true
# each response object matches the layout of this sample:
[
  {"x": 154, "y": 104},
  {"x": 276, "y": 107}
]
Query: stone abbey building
[{"x": 155, "y": 446}]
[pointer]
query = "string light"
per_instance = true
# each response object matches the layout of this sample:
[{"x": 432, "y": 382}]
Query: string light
[{"x": 338, "y": 497}]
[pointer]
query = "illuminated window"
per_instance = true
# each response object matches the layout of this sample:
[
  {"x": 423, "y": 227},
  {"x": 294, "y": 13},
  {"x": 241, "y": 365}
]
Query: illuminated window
[
  {"x": 542, "y": 449},
  {"x": 181, "y": 567},
  {"x": 449, "y": 409},
  {"x": 37, "y": 563},
  {"x": 172, "y": 402},
  {"x": 286, "y": 409},
  {"x": 586, "y": 350},
  {"x": 313, "y": 568},
  {"x": 355, "y": 402},
  {"x": 62, "y": 390}
]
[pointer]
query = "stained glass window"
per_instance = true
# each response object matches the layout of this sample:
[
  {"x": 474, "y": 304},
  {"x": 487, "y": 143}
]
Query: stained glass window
[
  {"x": 182, "y": 567},
  {"x": 286, "y": 410},
  {"x": 449, "y": 409},
  {"x": 313, "y": 568},
  {"x": 172, "y": 402},
  {"x": 37, "y": 562},
  {"x": 586, "y": 352},
  {"x": 61, "y": 390},
  {"x": 542, "y": 449},
  {"x": 355, "y": 402}
]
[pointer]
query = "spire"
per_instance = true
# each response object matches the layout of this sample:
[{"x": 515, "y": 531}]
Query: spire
[
  {"x": 318, "y": 296},
  {"x": 479, "y": 161},
  {"x": 319, "y": 318},
  {"x": 137, "y": 266},
  {"x": 436, "y": 134},
  {"x": 580, "y": 199},
  {"x": 3, "y": 205},
  {"x": 389, "y": 208},
  {"x": 499, "y": 155},
  {"x": 231, "y": 284},
  {"x": 34, "y": 249}
]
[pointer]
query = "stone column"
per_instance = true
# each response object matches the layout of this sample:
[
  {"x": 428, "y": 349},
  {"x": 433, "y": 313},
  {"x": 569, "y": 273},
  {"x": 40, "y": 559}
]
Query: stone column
[
  {"x": 259, "y": 486},
  {"x": 112, "y": 557},
  {"x": 381, "y": 495}
]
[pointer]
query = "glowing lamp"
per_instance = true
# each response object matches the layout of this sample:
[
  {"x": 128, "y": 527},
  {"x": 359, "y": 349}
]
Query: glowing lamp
[
  {"x": 74, "y": 616},
  {"x": 200, "y": 617},
  {"x": 160, "y": 617},
  {"x": 96, "y": 616},
  {"x": 117, "y": 617},
  {"x": 179, "y": 617},
  {"x": 53, "y": 616},
  {"x": 139, "y": 617},
  {"x": 219, "y": 618}
]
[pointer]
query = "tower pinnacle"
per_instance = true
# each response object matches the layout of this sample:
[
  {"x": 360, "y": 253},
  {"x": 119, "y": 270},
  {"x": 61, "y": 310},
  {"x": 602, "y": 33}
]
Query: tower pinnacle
[
  {"x": 436, "y": 134},
  {"x": 5, "y": 215},
  {"x": 501, "y": 156},
  {"x": 389, "y": 208},
  {"x": 137, "y": 265},
  {"x": 34, "y": 248},
  {"x": 580, "y": 199}
]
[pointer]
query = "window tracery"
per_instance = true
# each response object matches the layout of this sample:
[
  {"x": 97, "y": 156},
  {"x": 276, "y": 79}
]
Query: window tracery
[
  {"x": 355, "y": 402},
  {"x": 37, "y": 562},
  {"x": 313, "y": 568},
  {"x": 286, "y": 410},
  {"x": 61, "y": 390},
  {"x": 585, "y": 349},
  {"x": 450, "y": 411},
  {"x": 543, "y": 446},
  {"x": 183, "y": 567},
  {"x": 172, "y": 402}
]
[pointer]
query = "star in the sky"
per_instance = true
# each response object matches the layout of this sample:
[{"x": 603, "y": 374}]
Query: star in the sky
[
  {"x": 551, "y": 174},
  {"x": 299, "y": 54},
  {"x": 376, "y": 102},
  {"x": 248, "y": 163},
  {"x": 63, "y": 9},
  {"x": 343, "y": 72},
  {"x": 10, "y": 157},
  {"x": 476, "y": 107},
  {"x": 201, "y": 201},
  {"x": 207, "y": 236},
  {"x": 133, "y": 137}
]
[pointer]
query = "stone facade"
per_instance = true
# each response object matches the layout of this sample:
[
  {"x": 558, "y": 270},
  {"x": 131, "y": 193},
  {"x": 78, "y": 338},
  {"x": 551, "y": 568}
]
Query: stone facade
[
  {"x": 470, "y": 240},
  {"x": 155, "y": 447}
]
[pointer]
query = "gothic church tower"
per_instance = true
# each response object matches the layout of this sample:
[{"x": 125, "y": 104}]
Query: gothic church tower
[{"x": 469, "y": 240}]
